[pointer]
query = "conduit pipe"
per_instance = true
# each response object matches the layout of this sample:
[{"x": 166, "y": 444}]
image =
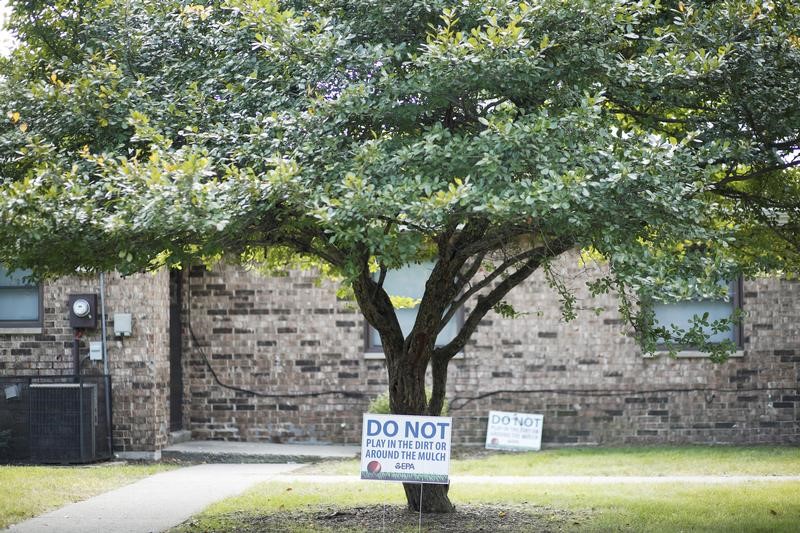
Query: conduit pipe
[{"x": 106, "y": 372}]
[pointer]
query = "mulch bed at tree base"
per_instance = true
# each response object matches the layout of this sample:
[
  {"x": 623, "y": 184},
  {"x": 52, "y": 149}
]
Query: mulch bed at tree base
[{"x": 396, "y": 518}]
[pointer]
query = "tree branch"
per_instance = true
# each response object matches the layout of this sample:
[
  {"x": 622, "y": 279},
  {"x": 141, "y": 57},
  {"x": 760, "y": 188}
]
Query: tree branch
[
  {"x": 640, "y": 114},
  {"x": 486, "y": 303},
  {"x": 439, "y": 390},
  {"x": 760, "y": 200},
  {"x": 755, "y": 174},
  {"x": 502, "y": 268},
  {"x": 377, "y": 308},
  {"x": 492, "y": 241},
  {"x": 467, "y": 275},
  {"x": 398, "y": 222}
]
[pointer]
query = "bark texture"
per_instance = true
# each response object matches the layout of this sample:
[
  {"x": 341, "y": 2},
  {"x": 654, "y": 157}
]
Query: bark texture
[
  {"x": 432, "y": 499},
  {"x": 407, "y": 396}
]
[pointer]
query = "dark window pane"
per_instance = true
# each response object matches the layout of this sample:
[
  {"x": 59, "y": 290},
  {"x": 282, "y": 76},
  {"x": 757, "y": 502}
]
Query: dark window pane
[{"x": 19, "y": 299}]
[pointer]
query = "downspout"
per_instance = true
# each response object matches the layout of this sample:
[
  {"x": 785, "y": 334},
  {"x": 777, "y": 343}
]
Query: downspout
[{"x": 106, "y": 374}]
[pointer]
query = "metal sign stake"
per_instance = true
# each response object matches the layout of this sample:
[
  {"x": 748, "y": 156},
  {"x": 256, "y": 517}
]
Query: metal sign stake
[{"x": 419, "y": 526}]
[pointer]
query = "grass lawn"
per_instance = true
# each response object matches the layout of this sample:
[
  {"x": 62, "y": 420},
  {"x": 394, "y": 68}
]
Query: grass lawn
[
  {"x": 768, "y": 507},
  {"x": 374, "y": 506},
  {"x": 27, "y": 491},
  {"x": 623, "y": 461}
]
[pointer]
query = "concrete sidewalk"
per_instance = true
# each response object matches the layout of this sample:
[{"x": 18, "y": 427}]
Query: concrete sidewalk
[
  {"x": 555, "y": 480},
  {"x": 165, "y": 500},
  {"x": 211, "y": 451},
  {"x": 155, "y": 503}
]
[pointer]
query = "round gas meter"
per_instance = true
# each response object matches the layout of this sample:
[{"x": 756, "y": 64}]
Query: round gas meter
[{"x": 81, "y": 307}]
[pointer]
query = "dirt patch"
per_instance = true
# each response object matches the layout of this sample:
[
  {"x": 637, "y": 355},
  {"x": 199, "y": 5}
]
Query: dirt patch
[{"x": 395, "y": 518}]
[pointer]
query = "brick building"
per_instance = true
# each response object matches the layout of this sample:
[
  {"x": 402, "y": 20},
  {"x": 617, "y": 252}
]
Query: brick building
[{"x": 231, "y": 354}]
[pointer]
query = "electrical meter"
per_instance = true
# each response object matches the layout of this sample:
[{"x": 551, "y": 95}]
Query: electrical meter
[
  {"x": 81, "y": 307},
  {"x": 83, "y": 311}
]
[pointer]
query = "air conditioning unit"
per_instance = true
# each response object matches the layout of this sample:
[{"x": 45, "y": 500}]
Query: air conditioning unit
[{"x": 63, "y": 422}]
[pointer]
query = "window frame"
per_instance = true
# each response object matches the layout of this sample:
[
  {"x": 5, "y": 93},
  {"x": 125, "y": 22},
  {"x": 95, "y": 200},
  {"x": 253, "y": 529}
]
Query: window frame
[
  {"x": 24, "y": 326},
  {"x": 737, "y": 303}
]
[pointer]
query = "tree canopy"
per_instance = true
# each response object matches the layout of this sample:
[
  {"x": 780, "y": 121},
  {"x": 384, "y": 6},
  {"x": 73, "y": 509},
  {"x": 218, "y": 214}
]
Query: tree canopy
[{"x": 488, "y": 136}]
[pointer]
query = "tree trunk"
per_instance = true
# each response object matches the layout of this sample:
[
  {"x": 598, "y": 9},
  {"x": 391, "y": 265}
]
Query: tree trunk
[
  {"x": 406, "y": 386},
  {"x": 407, "y": 363},
  {"x": 407, "y": 397},
  {"x": 434, "y": 498}
]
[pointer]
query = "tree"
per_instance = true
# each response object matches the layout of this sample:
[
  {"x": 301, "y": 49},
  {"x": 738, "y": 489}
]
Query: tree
[{"x": 661, "y": 137}]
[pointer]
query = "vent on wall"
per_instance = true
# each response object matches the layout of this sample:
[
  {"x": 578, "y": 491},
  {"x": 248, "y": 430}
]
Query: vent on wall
[{"x": 63, "y": 419}]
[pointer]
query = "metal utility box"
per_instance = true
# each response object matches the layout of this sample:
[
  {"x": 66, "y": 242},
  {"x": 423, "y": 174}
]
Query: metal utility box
[
  {"x": 123, "y": 324},
  {"x": 63, "y": 421},
  {"x": 96, "y": 351}
]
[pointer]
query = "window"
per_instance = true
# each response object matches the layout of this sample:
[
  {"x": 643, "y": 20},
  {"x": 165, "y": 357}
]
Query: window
[
  {"x": 20, "y": 300},
  {"x": 409, "y": 282},
  {"x": 681, "y": 313}
]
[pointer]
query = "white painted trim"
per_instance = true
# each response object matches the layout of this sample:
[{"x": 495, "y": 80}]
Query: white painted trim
[
  {"x": 694, "y": 354},
  {"x": 20, "y": 331},
  {"x": 380, "y": 356},
  {"x": 690, "y": 354}
]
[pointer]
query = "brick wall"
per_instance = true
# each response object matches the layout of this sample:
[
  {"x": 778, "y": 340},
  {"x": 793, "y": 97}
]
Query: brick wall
[
  {"x": 139, "y": 365},
  {"x": 290, "y": 340},
  {"x": 593, "y": 385},
  {"x": 276, "y": 336},
  {"x": 290, "y": 335}
]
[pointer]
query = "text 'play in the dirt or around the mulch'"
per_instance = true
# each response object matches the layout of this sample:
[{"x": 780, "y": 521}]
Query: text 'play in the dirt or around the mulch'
[
  {"x": 406, "y": 448},
  {"x": 514, "y": 431}
]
